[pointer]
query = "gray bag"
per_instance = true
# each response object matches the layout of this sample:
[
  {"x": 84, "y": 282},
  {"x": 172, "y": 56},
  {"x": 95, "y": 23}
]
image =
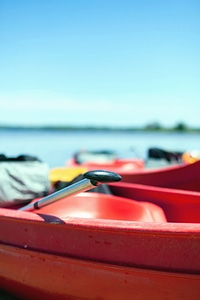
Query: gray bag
[{"x": 22, "y": 181}]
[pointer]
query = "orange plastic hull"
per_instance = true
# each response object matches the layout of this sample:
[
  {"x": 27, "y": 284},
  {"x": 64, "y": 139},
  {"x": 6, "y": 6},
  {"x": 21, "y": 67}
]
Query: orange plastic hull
[{"x": 36, "y": 275}]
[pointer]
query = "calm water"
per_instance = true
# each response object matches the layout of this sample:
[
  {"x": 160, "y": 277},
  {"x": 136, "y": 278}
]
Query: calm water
[{"x": 55, "y": 147}]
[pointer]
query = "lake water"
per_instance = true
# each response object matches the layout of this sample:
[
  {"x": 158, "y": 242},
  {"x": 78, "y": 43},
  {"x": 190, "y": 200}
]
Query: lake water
[{"x": 56, "y": 147}]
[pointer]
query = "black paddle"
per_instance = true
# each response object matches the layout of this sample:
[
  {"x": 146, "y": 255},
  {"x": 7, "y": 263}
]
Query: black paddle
[{"x": 92, "y": 178}]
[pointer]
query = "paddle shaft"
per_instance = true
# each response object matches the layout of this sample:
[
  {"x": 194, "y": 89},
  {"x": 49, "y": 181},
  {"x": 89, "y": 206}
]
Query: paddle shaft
[
  {"x": 92, "y": 179},
  {"x": 74, "y": 189}
]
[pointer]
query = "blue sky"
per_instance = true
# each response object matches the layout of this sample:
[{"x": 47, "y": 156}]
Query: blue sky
[{"x": 100, "y": 62}]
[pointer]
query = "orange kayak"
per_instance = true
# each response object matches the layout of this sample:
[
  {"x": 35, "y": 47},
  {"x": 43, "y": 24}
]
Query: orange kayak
[{"x": 99, "y": 246}]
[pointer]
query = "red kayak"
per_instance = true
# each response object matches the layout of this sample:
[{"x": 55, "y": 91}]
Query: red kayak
[
  {"x": 182, "y": 176},
  {"x": 179, "y": 176},
  {"x": 108, "y": 160},
  {"x": 82, "y": 245},
  {"x": 179, "y": 205}
]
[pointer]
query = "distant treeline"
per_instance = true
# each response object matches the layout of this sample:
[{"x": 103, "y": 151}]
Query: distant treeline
[{"x": 180, "y": 127}]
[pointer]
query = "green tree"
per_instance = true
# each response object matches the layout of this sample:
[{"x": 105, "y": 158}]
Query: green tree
[{"x": 181, "y": 127}]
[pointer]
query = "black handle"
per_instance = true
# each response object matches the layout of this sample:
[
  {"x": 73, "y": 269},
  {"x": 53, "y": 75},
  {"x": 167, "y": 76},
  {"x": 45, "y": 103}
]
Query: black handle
[{"x": 102, "y": 176}]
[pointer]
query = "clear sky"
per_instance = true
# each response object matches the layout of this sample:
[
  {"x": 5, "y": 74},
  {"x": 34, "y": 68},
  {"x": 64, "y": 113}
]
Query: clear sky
[{"x": 100, "y": 62}]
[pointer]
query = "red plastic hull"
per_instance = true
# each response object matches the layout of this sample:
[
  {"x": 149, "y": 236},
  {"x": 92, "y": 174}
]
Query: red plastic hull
[
  {"x": 179, "y": 205},
  {"x": 48, "y": 253},
  {"x": 183, "y": 176},
  {"x": 35, "y": 275},
  {"x": 117, "y": 165},
  {"x": 180, "y": 176}
]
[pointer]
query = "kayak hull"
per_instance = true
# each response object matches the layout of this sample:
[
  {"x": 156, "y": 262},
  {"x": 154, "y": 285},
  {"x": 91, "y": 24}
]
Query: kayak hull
[
  {"x": 45, "y": 276},
  {"x": 94, "y": 246},
  {"x": 180, "y": 176},
  {"x": 118, "y": 165},
  {"x": 61, "y": 229},
  {"x": 181, "y": 206}
]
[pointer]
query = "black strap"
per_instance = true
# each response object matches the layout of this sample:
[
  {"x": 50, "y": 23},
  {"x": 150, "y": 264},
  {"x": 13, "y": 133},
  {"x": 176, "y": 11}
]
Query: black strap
[{"x": 22, "y": 157}]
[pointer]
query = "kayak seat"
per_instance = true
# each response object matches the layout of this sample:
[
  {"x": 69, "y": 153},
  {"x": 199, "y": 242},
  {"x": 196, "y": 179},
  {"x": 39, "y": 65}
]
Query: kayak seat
[{"x": 104, "y": 206}]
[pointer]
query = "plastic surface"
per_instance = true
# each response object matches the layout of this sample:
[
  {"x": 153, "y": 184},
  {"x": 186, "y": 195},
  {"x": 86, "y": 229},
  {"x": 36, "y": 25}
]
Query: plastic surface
[
  {"x": 64, "y": 230},
  {"x": 181, "y": 176},
  {"x": 102, "y": 176},
  {"x": 37, "y": 276},
  {"x": 117, "y": 165},
  {"x": 65, "y": 174},
  {"x": 179, "y": 205},
  {"x": 95, "y": 246}
]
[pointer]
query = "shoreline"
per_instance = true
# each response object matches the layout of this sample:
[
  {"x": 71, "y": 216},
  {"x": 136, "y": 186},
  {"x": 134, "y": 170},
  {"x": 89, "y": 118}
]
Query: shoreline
[{"x": 99, "y": 128}]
